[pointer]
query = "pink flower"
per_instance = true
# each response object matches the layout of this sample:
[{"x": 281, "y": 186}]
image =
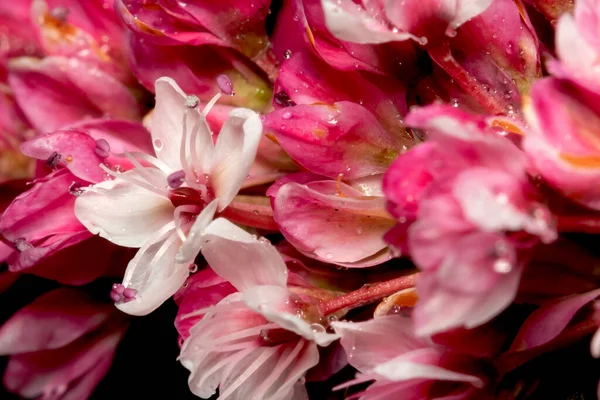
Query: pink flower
[
  {"x": 61, "y": 344},
  {"x": 562, "y": 140},
  {"x": 88, "y": 31},
  {"x": 57, "y": 91},
  {"x": 163, "y": 208},
  {"x": 383, "y": 349},
  {"x": 257, "y": 342},
  {"x": 488, "y": 49},
  {"x": 466, "y": 212}
]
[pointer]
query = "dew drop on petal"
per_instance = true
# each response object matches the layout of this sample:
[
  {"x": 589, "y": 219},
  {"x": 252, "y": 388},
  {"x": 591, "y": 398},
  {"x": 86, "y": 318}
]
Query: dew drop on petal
[{"x": 158, "y": 144}]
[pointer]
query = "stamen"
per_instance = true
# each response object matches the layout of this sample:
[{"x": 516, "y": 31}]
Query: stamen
[
  {"x": 210, "y": 104},
  {"x": 141, "y": 169},
  {"x": 175, "y": 179},
  {"x": 102, "y": 149},
  {"x": 131, "y": 180},
  {"x": 148, "y": 158},
  {"x": 53, "y": 160},
  {"x": 182, "y": 149},
  {"x": 225, "y": 84}
]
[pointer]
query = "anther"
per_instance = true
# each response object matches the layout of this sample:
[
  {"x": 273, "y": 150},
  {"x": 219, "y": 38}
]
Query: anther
[
  {"x": 225, "y": 84},
  {"x": 192, "y": 101},
  {"x": 175, "y": 179},
  {"x": 102, "y": 149},
  {"x": 53, "y": 160}
]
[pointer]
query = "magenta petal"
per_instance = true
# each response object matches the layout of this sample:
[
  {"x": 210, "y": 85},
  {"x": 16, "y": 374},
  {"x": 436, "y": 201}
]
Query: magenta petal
[
  {"x": 43, "y": 219},
  {"x": 33, "y": 374},
  {"x": 545, "y": 323},
  {"x": 331, "y": 140},
  {"x": 57, "y": 91},
  {"x": 331, "y": 228},
  {"x": 76, "y": 150},
  {"x": 59, "y": 318}
]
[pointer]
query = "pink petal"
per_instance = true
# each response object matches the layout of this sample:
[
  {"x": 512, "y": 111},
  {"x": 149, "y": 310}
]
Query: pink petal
[
  {"x": 56, "y": 91},
  {"x": 329, "y": 227},
  {"x": 331, "y": 140},
  {"x": 76, "y": 150},
  {"x": 53, "y": 320},
  {"x": 545, "y": 323},
  {"x": 376, "y": 341},
  {"x": 34, "y": 374},
  {"x": 262, "y": 263},
  {"x": 235, "y": 151}
]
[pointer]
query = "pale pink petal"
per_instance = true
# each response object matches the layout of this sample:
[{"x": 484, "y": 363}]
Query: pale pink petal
[
  {"x": 193, "y": 243},
  {"x": 153, "y": 273},
  {"x": 124, "y": 212},
  {"x": 329, "y": 227},
  {"x": 254, "y": 262},
  {"x": 347, "y": 21},
  {"x": 377, "y": 340},
  {"x": 595, "y": 345},
  {"x": 235, "y": 151},
  {"x": 422, "y": 364},
  {"x": 53, "y": 320}
]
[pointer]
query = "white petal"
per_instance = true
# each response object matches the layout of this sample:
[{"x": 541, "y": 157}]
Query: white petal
[
  {"x": 123, "y": 212},
  {"x": 235, "y": 152},
  {"x": 166, "y": 124},
  {"x": 240, "y": 258},
  {"x": 346, "y": 22},
  {"x": 193, "y": 244},
  {"x": 154, "y": 274}
]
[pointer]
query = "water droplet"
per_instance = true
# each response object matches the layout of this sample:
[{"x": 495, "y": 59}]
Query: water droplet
[
  {"x": 255, "y": 212},
  {"x": 287, "y": 54},
  {"x": 193, "y": 268},
  {"x": 454, "y": 102},
  {"x": 286, "y": 115},
  {"x": 158, "y": 144},
  {"x": 359, "y": 230},
  {"x": 329, "y": 256}
]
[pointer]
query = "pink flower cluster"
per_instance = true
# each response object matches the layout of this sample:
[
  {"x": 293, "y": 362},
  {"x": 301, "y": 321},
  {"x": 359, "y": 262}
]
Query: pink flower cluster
[{"x": 407, "y": 190}]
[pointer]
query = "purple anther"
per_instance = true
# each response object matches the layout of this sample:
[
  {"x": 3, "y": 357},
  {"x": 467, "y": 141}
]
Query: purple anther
[
  {"x": 129, "y": 294},
  {"x": 225, "y": 84},
  {"x": 175, "y": 179},
  {"x": 53, "y": 160},
  {"x": 102, "y": 149},
  {"x": 115, "y": 296},
  {"x": 21, "y": 244},
  {"x": 282, "y": 99},
  {"x": 118, "y": 288}
]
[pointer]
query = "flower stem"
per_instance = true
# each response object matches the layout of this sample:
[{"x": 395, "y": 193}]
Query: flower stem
[{"x": 367, "y": 294}]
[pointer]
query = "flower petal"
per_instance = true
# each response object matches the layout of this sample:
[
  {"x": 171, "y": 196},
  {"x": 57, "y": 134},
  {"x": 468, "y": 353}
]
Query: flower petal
[
  {"x": 255, "y": 261},
  {"x": 124, "y": 212},
  {"x": 193, "y": 244},
  {"x": 153, "y": 273},
  {"x": 235, "y": 151}
]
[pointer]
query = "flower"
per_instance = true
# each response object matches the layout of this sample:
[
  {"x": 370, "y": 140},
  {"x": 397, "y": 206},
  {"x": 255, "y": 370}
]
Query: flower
[
  {"x": 153, "y": 207},
  {"x": 467, "y": 216},
  {"x": 257, "y": 342}
]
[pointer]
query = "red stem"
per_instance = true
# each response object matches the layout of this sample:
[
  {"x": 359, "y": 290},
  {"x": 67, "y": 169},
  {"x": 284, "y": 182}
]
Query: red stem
[{"x": 367, "y": 294}]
